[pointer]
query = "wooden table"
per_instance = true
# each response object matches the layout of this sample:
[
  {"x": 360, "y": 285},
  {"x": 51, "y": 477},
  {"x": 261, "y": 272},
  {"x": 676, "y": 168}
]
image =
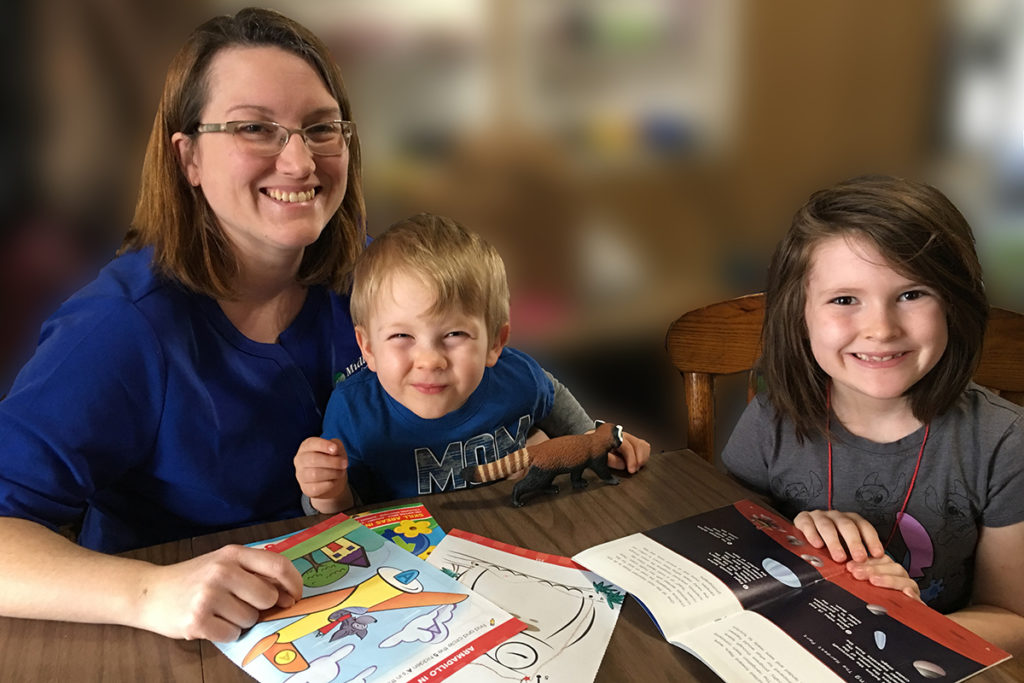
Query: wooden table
[{"x": 674, "y": 485}]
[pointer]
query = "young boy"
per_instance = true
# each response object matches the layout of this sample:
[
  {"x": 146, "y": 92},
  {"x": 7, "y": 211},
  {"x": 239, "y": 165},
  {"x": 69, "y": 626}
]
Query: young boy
[{"x": 440, "y": 389}]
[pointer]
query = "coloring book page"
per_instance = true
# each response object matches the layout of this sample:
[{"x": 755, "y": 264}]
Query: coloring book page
[
  {"x": 569, "y": 612},
  {"x": 371, "y": 612}
]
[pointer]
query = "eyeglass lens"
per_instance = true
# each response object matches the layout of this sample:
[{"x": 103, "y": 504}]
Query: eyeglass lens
[{"x": 264, "y": 138}]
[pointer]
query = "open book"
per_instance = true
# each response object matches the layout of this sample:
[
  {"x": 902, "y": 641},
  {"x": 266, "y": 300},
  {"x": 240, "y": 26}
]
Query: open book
[
  {"x": 371, "y": 610},
  {"x": 740, "y": 588}
]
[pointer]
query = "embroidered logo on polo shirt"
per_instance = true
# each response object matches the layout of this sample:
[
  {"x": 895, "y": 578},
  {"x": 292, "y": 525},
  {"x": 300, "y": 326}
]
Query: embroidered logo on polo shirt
[{"x": 350, "y": 370}]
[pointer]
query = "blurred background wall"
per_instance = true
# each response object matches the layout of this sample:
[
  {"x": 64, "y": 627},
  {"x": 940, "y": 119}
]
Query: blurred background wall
[{"x": 631, "y": 159}]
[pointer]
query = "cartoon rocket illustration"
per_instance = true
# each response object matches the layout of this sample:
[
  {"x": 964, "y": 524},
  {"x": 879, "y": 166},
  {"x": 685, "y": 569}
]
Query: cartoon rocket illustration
[{"x": 387, "y": 590}]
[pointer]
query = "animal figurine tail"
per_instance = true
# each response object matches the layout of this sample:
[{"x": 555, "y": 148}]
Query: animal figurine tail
[
  {"x": 500, "y": 468},
  {"x": 546, "y": 460}
]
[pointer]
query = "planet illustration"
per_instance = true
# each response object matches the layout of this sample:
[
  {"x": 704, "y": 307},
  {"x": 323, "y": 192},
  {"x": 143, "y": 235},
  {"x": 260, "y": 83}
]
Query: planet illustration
[
  {"x": 929, "y": 669},
  {"x": 880, "y": 639},
  {"x": 812, "y": 560},
  {"x": 780, "y": 572}
]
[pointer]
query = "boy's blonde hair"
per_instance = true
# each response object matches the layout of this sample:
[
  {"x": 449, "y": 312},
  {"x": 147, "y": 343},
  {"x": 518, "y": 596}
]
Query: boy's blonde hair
[{"x": 464, "y": 270}]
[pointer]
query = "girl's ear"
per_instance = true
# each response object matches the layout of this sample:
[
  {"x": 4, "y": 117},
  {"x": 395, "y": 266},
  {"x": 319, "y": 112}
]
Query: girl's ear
[
  {"x": 500, "y": 340},
  {"x": 363, "y": 340},
  {"x": 186, "y": 150}
]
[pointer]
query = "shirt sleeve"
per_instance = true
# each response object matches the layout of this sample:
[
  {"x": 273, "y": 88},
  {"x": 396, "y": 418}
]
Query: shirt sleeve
[
  {"x": 747, "y": 452},
  {"x": 1006, "y": 483},
  {"x": 84, "y": 410},
  {"x": 567, "y": 416}
]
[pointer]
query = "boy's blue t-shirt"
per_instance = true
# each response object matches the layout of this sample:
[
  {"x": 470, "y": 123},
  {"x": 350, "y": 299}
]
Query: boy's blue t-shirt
[
  {"x": 393, "y": 453},
  {"x": 147, "y": 411}
]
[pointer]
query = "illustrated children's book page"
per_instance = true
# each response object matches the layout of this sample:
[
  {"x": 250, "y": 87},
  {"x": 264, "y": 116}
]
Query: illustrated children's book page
[
  {"x": 742, "y": 589},
  {"x": 570, "y": 612},
  {"x": 371, "y": 612},
  {"x": 410, "y": 526}
]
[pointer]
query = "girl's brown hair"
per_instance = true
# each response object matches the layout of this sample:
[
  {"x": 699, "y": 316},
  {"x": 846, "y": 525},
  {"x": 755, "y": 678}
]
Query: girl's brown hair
[
  {"x": 174, "y": 217},
  {"x": 923, "y": 237}
]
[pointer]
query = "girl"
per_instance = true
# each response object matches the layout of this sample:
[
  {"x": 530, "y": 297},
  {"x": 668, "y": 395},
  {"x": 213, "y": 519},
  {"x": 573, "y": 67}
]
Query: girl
[{"x": 871, "y": 432}]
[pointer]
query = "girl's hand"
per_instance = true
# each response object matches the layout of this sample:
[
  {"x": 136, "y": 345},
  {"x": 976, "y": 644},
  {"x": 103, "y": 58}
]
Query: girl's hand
[
  {"x": 834, "y": 530},
  {"x": 321, "y": 468},
  {"x": 218, "y": 595},
  {"x": 631, "y": 456},
  {"x": 884, "y": 572}
]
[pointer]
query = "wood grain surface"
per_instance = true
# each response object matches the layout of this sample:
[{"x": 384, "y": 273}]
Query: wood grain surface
[{"x": 673, "y": 485}]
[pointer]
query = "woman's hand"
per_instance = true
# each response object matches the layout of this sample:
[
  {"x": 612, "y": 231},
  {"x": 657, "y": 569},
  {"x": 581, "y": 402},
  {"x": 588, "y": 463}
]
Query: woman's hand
[
  {"x": 632, "y": 455},
  {"x": 839, "y": 532},
  {"x": 321, "y": 468},
  {"x": 213, "y": 596},
  {"x": 216, "y": 596},
  {"x": 885, "y": 572}
]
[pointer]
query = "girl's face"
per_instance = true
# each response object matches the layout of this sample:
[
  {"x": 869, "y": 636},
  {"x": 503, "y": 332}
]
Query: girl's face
[
  {"x": 872, "y": 330},
  {"x": 270, "y": 208}
]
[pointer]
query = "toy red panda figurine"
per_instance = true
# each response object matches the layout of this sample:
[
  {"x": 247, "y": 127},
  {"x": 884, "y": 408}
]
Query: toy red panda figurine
[{"x": 561, "y": 455}]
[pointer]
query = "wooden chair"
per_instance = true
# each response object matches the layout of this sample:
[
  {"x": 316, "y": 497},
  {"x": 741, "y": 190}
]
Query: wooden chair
[
  {"x": 725, "y": 338},
  {"x": 1002, "y": 356},
  {"x": 720, "y": 339}
]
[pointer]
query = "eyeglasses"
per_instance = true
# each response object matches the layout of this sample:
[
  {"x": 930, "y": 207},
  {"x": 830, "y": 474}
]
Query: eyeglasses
[{"x": 267, "y": 139}]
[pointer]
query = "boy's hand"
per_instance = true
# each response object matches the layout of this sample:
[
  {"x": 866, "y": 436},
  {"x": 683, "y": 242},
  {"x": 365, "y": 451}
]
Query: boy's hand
[
  {"x": 321, "y": 468},
  {"x": 632, "y": 455},
  {"x": 834, "y": 529},
  {"x": 884, "y": 572}
]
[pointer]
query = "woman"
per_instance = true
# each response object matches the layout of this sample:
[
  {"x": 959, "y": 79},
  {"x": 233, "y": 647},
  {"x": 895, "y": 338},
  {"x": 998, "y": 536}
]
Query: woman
[{"x": 167, "y": 397}]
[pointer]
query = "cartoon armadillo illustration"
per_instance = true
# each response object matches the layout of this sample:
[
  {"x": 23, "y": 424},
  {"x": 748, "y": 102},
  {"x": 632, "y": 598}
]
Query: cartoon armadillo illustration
[{"x": 546, "y": 460}]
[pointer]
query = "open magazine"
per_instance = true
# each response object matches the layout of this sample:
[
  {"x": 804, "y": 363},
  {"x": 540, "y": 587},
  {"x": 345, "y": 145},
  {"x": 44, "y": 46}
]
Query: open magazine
[
  {"x": 371, "y": 610},
  {"x": 571, "y": 612},
  {"x": 740, "y": 588}
]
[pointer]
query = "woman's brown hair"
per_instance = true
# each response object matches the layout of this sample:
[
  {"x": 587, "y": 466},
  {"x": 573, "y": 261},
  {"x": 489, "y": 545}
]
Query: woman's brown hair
[
  {"x": 922, "y": 236},
  {"x": 174, "y": 218}
]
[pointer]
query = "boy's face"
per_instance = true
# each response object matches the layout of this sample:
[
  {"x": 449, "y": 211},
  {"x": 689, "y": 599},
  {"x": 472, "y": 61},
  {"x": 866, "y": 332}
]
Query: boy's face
[{"x": 428, "y": 363}]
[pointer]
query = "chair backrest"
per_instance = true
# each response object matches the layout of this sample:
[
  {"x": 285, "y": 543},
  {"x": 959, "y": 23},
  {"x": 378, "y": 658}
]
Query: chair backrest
[
  {"x": 1002, "y": 357},
  {"x": 725, "y": 338}
]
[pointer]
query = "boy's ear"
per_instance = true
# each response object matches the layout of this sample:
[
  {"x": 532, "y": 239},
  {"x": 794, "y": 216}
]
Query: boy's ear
[
  {"x": 500, "y": 340},
  {"x": 363, "y": 340},
  {"x": 184, "y": 146}
]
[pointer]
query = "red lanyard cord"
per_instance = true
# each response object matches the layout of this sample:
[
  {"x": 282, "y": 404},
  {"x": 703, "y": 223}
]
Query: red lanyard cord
[{"x": 913, "y": 479}]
